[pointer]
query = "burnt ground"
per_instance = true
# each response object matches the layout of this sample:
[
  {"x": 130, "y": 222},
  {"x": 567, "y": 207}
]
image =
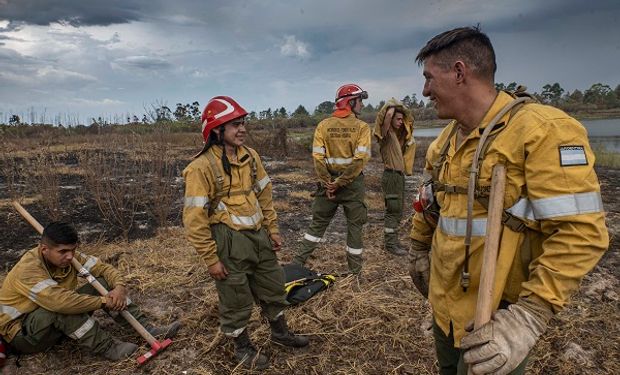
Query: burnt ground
[{"x": 380, "y": 328}]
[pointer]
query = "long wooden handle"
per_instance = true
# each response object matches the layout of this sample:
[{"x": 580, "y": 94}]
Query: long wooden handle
[
  {"x": 91, "y": 279},
  {"x": 484, "y": 306}
]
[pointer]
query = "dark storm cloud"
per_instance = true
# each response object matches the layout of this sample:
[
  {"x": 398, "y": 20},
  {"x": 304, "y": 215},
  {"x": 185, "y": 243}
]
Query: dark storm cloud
[
  {"x": 143, "y": 62},
  {"x": 74, "y": 12}
]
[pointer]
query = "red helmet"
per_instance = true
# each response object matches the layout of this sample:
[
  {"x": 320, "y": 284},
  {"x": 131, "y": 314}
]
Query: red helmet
[
  {"x": 347, "y": 92},
  {"x": 220, "y": 110}
]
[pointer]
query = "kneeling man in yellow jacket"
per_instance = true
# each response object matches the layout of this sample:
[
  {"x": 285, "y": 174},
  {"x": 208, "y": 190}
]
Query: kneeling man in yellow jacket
[{"x": 40, "y": 303}]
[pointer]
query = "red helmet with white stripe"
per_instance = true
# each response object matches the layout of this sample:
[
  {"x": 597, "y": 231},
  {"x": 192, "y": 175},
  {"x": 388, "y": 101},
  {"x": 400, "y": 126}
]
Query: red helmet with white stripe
[
  {"x": 347, "y": 92},
  {"x": 220, "y": 110}
]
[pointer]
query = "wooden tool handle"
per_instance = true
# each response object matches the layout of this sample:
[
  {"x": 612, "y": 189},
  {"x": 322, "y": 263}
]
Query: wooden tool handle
[{"x": 484, "y": 306}]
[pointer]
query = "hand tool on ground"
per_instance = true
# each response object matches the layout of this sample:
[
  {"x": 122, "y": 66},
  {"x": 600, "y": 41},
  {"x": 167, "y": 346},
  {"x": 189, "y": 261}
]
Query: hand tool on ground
[
  {"x": 484, "y": 306},
  {"x": 156, "y": 346}
]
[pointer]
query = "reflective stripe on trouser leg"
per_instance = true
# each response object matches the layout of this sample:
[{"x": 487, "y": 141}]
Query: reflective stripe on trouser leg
[
  {"x": 118, "y": 318},
  {"x": 323, "y": 210},
  {"x": 356, "y": 213},
  {"x": 42, "y": 329},
  {"x": 393, "y": 185}
]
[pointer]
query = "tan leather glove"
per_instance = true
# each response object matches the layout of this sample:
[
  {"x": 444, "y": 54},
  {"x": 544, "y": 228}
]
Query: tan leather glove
[
  {"x": 499, "y": 346},
  {"x": 420, "y": 266}
]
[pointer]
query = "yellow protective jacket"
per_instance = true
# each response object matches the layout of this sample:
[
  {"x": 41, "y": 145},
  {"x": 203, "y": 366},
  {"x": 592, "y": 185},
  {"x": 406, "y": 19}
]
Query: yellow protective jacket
[
  {"x": 551, "y": 184},
  {"x": 32, "y": 283},
  {"x": 244, "y": 202},
  {"x": 408, "y": 149},
  {"x": 341, "y": 148}
]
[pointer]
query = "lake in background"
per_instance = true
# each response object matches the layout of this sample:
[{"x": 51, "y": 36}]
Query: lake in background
[{"x": 602, "y": 133}]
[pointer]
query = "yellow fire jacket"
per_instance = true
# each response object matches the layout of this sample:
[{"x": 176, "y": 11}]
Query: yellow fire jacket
[
  {"x": 246, "y": 203},
  {"x": 32, "y": 284},
  {"x": 341, "y": 147},
  {"x": 551, "y": 184},
  {"x": 408, "y": 149}
]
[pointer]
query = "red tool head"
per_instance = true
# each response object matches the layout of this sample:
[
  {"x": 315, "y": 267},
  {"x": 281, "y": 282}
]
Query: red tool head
[{"x": 156, "y": 347}]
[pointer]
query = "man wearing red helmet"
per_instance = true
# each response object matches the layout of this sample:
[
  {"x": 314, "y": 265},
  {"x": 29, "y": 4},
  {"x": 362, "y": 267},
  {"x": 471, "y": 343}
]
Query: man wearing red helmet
[
  {"x": 341, "y": 149},
  {"x": 230, "y": 220}
]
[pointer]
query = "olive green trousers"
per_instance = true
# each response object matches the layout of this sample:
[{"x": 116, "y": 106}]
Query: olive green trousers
[
  {"x": 351, "y": 197},
  {"x": 393, "y": 185},
  {"x": 254, "y": 275},
  {"x": 42, "y": 329}
]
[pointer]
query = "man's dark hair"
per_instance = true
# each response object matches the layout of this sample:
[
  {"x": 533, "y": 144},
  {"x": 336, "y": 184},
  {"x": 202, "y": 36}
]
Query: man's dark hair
[
  {"x": 59, "y": 233},
  {"x": 464, "y": 43}
]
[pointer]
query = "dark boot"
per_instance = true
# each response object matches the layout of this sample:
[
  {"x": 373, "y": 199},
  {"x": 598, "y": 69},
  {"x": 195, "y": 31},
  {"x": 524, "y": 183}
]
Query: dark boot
[
  {"x": 165, "y": 332},
  {"x": 119, "y": 350},
  {"x": 392, "y": 245},
  {"x": 246, "y": 353},
  {"x": 281, "y": 335}
]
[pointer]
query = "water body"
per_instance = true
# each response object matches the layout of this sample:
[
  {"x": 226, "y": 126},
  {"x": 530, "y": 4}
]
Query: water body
[{"x": 602, "y": 133}]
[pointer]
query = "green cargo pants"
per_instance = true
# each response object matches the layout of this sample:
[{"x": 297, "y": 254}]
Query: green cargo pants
[
  {"x": 351, "y": 197},
  {"x": 42, "y": 329},
  {"x": 393, "y": 184},
  {"x": 451, "y": 359},
  {"x": 254, "y": 275}
]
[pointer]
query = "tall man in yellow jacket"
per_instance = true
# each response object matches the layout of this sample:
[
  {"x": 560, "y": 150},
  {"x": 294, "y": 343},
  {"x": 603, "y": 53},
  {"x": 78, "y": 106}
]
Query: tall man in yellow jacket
[
  {"x": 230, "y": 220},
  {"x": 553, "y": 224},
  {"x": 394, "y": 132},
  {"x": 39, "y": 302},
  {"x": 341, "y": 149}
]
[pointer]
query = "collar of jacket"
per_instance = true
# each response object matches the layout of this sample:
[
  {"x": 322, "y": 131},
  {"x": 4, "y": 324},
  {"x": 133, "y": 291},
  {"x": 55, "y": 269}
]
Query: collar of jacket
[
  {"x": 243, "y": 155},
  {"x": 501, "y": 100},
  {"x": 342, "y": 113},
  {"x": 55, "y": 273}
]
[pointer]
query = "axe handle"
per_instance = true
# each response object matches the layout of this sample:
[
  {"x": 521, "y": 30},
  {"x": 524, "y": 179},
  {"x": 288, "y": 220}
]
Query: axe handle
[
  {"x": 91, "y": 279},
  {"x": 484, "y": 306}
]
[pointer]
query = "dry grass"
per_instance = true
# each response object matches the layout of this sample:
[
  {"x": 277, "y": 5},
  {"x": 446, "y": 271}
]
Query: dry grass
[{"x": 378, "y": 328}]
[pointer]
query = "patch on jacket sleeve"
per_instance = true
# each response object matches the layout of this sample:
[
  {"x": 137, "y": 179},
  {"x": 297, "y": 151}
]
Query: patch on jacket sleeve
[{"x": 572, "y": 155}]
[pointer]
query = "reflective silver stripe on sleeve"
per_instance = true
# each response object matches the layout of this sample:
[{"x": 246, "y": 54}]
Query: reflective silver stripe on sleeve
[
  {"x": 38, "y": 287},
  {"x": 453, "y": 226},
  {"x": 522, "y": 209},
  {"x": 196, "y": 201},
  {"x": 362, "y": 149},
  {"x": 90, "y": 262},
  {"x": 263, "y": 182},
  {"x": 11, "y": 311},
  {"x": 84, "y": 328},
  {"x": 318, "y": 150},
  {"x": 567, "y": 205},
  {"x": 340, "y": 161},
  {"x": 312, "y": 238},
  {"x": 389, "y": 230},
  {"x": 354, "y": 251}
]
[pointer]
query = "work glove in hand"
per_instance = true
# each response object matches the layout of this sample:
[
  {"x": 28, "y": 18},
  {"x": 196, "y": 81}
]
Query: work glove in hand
[
  {"x": 420, "y": 266},
  {"x": 499, "y": 346}
]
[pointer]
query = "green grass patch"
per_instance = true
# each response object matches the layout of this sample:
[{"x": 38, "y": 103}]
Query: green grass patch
[{"x": 606, "y": 158}]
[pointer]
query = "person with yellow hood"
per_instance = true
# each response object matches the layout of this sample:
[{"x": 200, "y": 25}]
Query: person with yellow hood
[
  {"x": 340, "y": 149},
  {"x": 394, "y": 132},
  {"x": 230, "y": 220},
  {"x": 553, "y": 225}
]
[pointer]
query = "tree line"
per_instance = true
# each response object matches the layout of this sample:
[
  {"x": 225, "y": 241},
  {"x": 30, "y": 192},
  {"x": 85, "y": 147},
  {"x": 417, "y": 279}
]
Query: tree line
[{"x": 598, "y": 98}]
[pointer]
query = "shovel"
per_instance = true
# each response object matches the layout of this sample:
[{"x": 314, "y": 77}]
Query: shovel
[{"x": 156, "y": 346}]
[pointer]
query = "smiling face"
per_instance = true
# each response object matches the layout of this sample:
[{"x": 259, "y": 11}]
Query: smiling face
[
  {"x": 58, "y": 255},
  {"x": 234, "y": 132},
  {"x": 440, "y": 87}
]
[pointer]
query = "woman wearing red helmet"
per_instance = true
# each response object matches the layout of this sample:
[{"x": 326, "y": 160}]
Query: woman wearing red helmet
[{"x": 230, "y": 220}]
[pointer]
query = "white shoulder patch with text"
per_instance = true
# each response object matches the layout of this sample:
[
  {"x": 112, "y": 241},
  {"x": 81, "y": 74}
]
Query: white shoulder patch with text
[{"x": 572, "y": 155}]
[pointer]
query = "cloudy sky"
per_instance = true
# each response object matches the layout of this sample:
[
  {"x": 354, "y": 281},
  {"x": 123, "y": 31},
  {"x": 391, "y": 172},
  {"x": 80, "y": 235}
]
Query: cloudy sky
[{"x": 91, "y": 57}]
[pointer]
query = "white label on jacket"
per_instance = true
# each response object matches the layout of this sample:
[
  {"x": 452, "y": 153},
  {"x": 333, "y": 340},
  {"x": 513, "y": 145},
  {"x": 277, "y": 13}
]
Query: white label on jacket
[{"x": 572, "y": 155}]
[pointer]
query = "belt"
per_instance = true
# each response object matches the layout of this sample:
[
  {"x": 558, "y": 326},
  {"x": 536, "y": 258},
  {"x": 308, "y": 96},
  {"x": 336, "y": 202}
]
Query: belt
[{"x": 394, "y": 170}]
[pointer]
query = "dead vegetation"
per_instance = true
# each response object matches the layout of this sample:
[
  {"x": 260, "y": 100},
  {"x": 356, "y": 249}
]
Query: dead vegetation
[{"x": 379, "y": 328}]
